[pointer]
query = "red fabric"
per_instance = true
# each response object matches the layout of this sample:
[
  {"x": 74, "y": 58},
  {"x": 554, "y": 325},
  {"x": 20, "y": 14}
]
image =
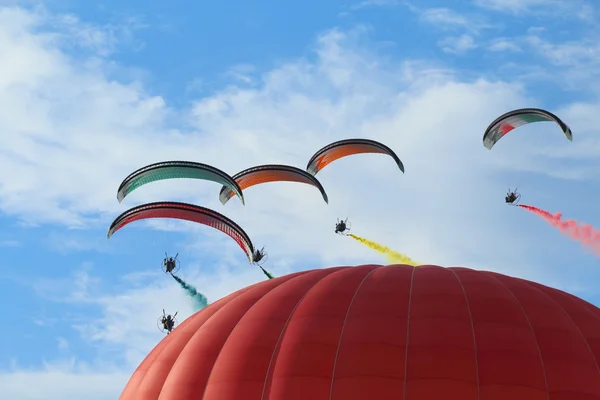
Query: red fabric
[
  {"x": 187, "y": 212},
  {"x": 373, "y": 332}
]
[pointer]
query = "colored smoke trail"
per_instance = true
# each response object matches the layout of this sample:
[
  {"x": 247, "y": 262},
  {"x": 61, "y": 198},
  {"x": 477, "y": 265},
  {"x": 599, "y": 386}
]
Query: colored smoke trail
[
  {"x": 266, "y": 273},
  {"x": 583, "y": 233},
  {"x": 200, "y": 300},
  {"x": 391, "y": 256}
]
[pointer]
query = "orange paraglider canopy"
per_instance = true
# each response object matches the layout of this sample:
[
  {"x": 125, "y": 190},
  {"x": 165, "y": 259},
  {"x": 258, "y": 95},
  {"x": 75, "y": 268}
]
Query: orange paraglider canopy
[
  {"x": 347, "y": 147},
  {"x": 372, "y": 332},
  {"x": 270, "y": 173}
]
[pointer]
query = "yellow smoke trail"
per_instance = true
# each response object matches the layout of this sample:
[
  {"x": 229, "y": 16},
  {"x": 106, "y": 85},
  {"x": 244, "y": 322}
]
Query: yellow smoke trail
[{"x": 391, "y": 256}]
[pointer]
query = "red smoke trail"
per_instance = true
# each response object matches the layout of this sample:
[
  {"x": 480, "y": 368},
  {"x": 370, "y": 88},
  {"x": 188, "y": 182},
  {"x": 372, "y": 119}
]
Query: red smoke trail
[{"x": 583, "y": 233}]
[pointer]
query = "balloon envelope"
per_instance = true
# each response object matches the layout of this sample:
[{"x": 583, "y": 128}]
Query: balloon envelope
[{"x": 374, "y": 332}]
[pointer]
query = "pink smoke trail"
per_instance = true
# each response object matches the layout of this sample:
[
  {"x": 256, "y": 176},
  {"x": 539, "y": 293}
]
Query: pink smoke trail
[{"x": 586, "y": 234}]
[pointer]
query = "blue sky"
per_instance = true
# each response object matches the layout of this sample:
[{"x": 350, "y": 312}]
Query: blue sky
[{"x": 91, "y": 93}]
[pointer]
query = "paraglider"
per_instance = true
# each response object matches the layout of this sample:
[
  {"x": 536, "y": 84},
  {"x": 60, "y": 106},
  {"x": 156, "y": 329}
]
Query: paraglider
[
  {"x": 176, "y": 170},
  {"x": 513, "y": 119},
  {"x": 342, "y": 226},
  {"x": 166, "y": 323},
  {"x": 186, "y": 212},
  {"x": 171, "y": 264},
  {"x": 347, "y": 147},
  {"x": 270, "y": 173},
  {"x": 512, "y": 197}
]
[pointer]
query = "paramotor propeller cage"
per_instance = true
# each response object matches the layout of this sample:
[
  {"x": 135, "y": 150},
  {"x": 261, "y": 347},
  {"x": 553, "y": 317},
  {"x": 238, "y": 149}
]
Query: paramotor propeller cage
[
  {"x": 161, "y": 327},
  {"x": 347, "y": 227},
  {"x": 263, "y": 260},
  {"x": 177, "y": 264},
  {"x": 513, "y": 197}
]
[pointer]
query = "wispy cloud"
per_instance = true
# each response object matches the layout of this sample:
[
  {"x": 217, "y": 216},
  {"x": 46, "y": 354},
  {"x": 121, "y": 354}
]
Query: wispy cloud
[
  {"x": 574, "y": 53},
  {"x": 10, "y": 243},
  {"x": 102, "y": 40},
  {"x": 62, "y": 343},
  {"x": 457, "y": 44},
  {"x": 501, "y": 44},
  {"x": 377, "y": 3},
  {"x": 126, "y": 128},
  {"x": 445, "y": 18},
  {"x": 580, "y": 9},
  {"x": 242, "y": 73},
  {"x": 66, "y": 243},
  {"x": 572, "y": 64},
  {"x": 66, "y": 381}
]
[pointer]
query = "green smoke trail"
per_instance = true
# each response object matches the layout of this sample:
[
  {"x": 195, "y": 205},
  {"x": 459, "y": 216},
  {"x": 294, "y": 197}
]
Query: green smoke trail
[
  {"x": 200, "y": 300},
  {"x": 266, "y": 273}
]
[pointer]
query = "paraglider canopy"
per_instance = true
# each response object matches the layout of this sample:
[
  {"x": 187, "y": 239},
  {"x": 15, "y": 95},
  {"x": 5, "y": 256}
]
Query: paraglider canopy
[
  {"x": 271, "y": 173},
  {"x": 347, "y": 147},
  {"x": 173, "y": 170},
  {"x": 186, "y": 212},
  {"x": 513, "y": 119}
]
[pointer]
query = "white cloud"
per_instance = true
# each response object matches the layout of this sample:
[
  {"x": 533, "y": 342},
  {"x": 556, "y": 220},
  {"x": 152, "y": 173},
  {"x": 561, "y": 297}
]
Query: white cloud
[
  {"x": 514, "y": 5},
  {"x": 558, "y": 8},
  {"x": 377, "y": 3},
  {"x": 10, "y": 243},
  {"x": 63, "y": 344},
  {"x": 504, "y": 45},
  {"x": 582, "y": 118},
  {"x": 447, "y": 18},
  {"x": 65, "y": 382},
  {"x": 444, "y": 16},
  {"x": 102, "y": 41},
  {"x": 242, "y": 73},
  {"x": 65, "y": 243},
  {"x": 71, "y": 133},
  {"x": 458, "y": 44},
  {"x": 570, "y": 64},
  {"x": 572, "y": 53}
]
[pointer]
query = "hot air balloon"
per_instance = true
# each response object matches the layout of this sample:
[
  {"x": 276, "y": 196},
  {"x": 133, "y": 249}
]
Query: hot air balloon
[{"x": 374, "y": 332}]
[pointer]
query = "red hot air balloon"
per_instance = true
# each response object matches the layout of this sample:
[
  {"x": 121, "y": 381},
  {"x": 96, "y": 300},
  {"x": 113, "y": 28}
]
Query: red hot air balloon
[{"x": 373, "y": 332}]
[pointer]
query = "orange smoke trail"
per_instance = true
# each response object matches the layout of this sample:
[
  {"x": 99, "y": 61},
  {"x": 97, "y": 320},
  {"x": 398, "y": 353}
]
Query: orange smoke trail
[{"x": 586, "y": 234}]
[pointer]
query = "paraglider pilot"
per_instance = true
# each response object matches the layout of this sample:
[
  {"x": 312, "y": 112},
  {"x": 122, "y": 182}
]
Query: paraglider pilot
[
  {"x": 341, "y": 226},
  {"x": 512, "y": 197},
  {"x": 170, "y": 263},
  {"x": 168, "y": 322},
  {"x": 258, "y": 255}
]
